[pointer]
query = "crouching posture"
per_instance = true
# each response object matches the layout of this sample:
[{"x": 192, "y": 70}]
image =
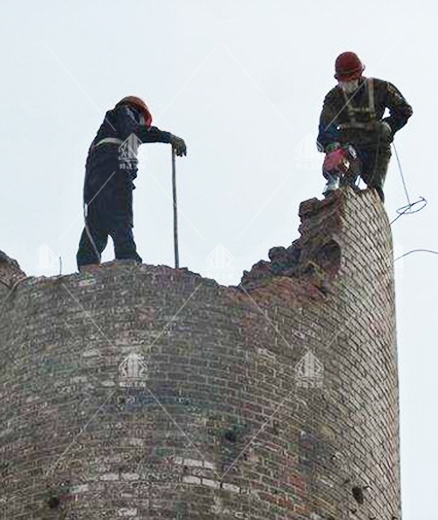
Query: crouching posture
[
  {"x": 353, "y": 116},
  {"x": 110, "y": 170}
]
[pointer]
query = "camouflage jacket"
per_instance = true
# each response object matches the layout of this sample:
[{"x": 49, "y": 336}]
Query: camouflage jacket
[{"x": 357, "y": 118}]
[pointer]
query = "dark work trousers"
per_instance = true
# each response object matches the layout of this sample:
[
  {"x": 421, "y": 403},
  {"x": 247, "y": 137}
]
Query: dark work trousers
[
  {"x": 374, "y": 166},
  {"x": 109, "y": 213}
]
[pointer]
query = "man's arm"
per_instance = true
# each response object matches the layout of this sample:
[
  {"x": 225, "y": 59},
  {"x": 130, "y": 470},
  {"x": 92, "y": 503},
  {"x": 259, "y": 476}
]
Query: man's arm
[
  {"x": 130, "y": 121},
  {"x": 328, "y": 134},
  {"x": 399, "y": 109}
]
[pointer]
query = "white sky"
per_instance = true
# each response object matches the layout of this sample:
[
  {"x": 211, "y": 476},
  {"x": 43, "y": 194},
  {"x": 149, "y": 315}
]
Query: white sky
[{"x": 242, "y": 82}]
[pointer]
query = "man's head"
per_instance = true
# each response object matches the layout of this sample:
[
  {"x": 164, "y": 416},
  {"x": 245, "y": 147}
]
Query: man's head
[
  {"x": 138, "y": 103},
  {"x": 348, "y": 70},
  {"x": 348, "y": 67}
]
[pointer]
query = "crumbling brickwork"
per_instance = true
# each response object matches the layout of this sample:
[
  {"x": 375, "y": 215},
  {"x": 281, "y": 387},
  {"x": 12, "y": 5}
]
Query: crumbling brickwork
[
  {"x": 10, "y": 271},
  {"x": 147, "y": 392}
]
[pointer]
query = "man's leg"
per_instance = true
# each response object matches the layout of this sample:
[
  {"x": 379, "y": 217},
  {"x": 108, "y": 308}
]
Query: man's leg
[
  {"x": 375, "y": 162},
  {"x": 124, "y": 244},
  {"x": 87, "y": 252},
  {"x": 123, "y": 221},
  {"x": 93, "y": 240}
]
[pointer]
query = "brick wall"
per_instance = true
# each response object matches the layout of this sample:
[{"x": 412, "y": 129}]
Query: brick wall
[
  {"x": 148, "y": 392},
  {"x": 10, "y": 272}
]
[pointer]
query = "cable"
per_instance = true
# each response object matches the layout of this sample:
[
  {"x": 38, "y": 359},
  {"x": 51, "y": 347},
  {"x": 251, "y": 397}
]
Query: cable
[
  {"x": 408, "y": 208},
  {"x": 16, "y": 283},
  {"x": 417, "y": 251},
  {"x": 5, "y": 283},
  {"x": 401, "y": 172},
  {"x": 12, "y": 288}
]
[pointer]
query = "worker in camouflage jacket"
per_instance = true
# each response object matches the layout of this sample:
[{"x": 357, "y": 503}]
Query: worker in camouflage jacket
[
  {"x": 110, "y": 170},
  {"x": 353, "y": 114}
]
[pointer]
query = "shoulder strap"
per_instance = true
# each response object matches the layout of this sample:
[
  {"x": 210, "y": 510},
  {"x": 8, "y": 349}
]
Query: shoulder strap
[
  {"x": 350, "y": 109},
  {"x": 371, "y": 105}
]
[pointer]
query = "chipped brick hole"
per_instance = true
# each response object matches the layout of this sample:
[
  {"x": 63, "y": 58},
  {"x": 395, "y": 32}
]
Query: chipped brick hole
[
  {"x": 328, "y": 257},
  {"x": 53, "y": 502},
  {"x": 58, "y": 495},
  {"x": 323, "y": 265},
  {"x": 233, "y": 442},
  {"x": 357, "y": 492},
  {"x": 230, "y": 436},
  {"x": 235, "y": 433}
]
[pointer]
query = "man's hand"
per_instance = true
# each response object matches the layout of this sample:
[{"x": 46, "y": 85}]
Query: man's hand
[
  {"x": 332, "y": 147},
  {"x": 179, "y": 146}
]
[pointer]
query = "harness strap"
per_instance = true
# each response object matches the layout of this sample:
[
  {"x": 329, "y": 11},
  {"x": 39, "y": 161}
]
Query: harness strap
[
  {"x": 109, "y": 140},
  {"x": 358, "y": 125},
  {"x": 352, "y": 111},
  {"x": 371, "y": 105}
]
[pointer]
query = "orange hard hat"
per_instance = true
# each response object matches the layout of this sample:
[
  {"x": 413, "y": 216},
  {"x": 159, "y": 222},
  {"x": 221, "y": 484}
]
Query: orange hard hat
[
  {"x": 139, "y": 103},
  {"x": 348, "y": 67}
]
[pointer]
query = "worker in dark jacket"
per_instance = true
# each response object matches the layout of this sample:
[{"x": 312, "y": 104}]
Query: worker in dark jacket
[
  {"x": 111, "y": 168},
  {"x": 353, "y": 114}
]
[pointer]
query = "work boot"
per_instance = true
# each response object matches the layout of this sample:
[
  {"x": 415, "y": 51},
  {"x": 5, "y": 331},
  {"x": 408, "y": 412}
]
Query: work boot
[
  {"x": 87, "y": 268},
  {"x": 380, "y": 193},
  {"x": 127, "y": 261},
  {"x": 332, "y": 185},
  {"x": 350, "y": 182}
]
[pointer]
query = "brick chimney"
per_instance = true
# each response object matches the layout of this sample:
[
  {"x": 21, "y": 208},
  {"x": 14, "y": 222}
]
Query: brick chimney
[{"x": 149, "y": 392}]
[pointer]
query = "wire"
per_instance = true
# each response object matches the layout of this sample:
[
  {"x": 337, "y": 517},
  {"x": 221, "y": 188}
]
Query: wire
[
  {"x": 417, "y": 251},
  {"x": 12, "y": 289},
  {"x": 5, "y": 283},
  {"x": 401, "y": 172},
  {"x": 408, "y": 208}
]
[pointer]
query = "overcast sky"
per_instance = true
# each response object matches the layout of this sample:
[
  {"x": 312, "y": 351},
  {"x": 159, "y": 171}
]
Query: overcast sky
[{"x": 242, "y": 82}]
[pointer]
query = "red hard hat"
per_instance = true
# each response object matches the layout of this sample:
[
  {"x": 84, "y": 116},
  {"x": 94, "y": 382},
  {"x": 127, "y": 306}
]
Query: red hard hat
[
  {"x": 139, "y": 103},
  {"x": 348, "y": 67}
]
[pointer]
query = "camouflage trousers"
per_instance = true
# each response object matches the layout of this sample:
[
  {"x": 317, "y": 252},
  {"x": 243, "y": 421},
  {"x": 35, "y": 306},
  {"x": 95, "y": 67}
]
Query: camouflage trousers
[{"x": 374, "y": 162}]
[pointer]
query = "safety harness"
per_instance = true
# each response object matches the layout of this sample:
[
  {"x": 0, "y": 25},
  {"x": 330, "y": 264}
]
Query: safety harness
[
  {"x": 370, "y": 110},
  {"x": 109, "y": 140}
]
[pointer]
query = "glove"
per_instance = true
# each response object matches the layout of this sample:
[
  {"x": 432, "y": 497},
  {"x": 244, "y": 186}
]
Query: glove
[
  {"x": 332, "y": 147},
  {"x": 178, "y": 145}
]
